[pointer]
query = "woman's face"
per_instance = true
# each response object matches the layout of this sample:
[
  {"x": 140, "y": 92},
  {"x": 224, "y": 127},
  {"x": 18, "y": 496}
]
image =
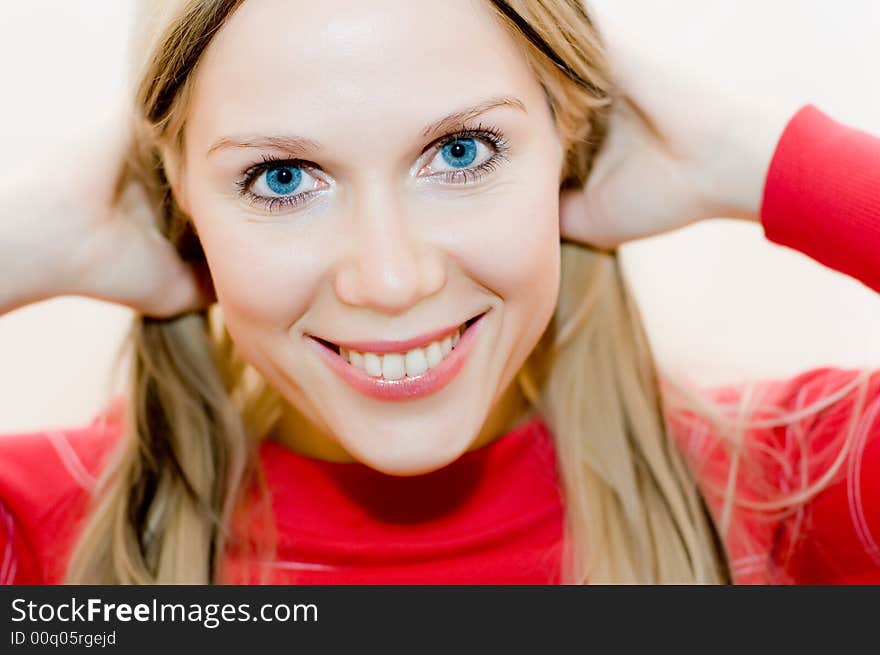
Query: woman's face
[{"x": 375, "y": 175}]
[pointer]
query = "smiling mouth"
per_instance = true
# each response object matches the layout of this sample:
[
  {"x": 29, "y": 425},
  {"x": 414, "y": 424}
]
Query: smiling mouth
[{"x": 388, "y": 373}]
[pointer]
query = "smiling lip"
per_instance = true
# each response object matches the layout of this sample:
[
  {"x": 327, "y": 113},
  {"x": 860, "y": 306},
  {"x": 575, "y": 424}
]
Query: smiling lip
[
  {"x": 401, "y": 346},
  {"x": 406, "y": 388}
]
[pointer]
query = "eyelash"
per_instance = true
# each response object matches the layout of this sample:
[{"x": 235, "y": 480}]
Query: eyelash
[
  {"x": 490, "y": 134},
  {"x": 276, "y": 203}
]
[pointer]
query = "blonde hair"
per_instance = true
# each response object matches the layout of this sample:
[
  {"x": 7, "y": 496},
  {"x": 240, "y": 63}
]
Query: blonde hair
[{"x": 168, "y": 501}]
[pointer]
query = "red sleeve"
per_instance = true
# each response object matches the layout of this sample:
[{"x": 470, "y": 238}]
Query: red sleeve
[
  {"x": 822, "y": 195},
  {"x": 46, "y": 482},
  {"x": 808, "y": 476}
]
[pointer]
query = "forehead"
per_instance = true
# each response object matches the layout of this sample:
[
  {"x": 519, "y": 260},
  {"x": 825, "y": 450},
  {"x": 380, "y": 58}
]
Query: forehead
[{"x": 349, "y": 61}]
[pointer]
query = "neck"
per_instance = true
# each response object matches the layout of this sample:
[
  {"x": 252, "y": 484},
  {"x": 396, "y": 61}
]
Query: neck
[{"x": 296, "y": 432}]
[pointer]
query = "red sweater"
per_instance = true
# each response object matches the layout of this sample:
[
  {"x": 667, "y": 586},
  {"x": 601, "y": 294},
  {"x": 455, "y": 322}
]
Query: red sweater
[{"x": 495, "y": 515}]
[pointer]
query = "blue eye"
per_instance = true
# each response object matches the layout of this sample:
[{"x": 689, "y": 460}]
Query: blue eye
[
  {"x": 466, "y": 156},
  {"x": 459, "y": 153},
  {"x": 284, "y": 180},
  {"x": 278, "y": 183}
]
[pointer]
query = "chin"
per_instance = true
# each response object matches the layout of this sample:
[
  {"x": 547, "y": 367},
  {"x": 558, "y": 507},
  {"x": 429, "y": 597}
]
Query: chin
[{"x": 403, "y": 455}]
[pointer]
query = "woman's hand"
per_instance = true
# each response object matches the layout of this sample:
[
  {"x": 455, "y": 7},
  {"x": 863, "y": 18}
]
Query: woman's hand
[
  {"x": 62, "y": 233},
  {"x": 678, "y": 150}
]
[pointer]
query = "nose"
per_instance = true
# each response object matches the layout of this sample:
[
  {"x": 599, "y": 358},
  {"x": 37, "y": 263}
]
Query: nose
[{"x": 387, "y": 266}]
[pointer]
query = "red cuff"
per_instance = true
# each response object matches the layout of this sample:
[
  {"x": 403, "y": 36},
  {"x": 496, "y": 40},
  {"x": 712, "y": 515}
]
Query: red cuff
[{"x": 822, "y": 195}]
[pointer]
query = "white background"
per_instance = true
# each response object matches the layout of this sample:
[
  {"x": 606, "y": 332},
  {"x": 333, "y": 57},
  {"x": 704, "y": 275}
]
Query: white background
[{"x": 720, "y": 302}]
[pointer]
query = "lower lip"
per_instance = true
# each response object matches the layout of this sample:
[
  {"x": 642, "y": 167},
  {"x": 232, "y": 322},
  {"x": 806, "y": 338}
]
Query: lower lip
[{"x": 406, "y": 388}]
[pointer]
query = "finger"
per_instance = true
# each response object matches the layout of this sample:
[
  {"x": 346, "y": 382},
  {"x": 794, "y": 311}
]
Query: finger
[
  {"x": 141, "y": 269},
  {"x": 576, "y": 223},
  {"x": 136, "y": 206},
  {"x": 639, "y": 71},
  {"x": 175, "y": 286},
  {"x": 183, "y": 287},
  {"x": 187, "y": 294}
]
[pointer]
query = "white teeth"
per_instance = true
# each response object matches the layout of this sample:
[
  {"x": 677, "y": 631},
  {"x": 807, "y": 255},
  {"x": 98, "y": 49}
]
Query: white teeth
[
  {"x": 372, "y": 364},
  {"x": 433, "y": 354},
  {"x": 393, "y": 367},
  {"x": 416, "y": 362},
  {"x": 356, "y": 359}
]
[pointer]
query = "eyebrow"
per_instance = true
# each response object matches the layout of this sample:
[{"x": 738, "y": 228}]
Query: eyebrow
[
  {"x": 454, "y": 121},
  {"x": 297, "y": 145}
]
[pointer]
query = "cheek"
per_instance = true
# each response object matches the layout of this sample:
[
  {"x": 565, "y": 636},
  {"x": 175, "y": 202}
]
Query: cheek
[
  {"x": 513, "y": 248},
  {"x": 264, "y": 276},
  {"x": 530, "y": 262},
  {"x": 516, "y": 254}
]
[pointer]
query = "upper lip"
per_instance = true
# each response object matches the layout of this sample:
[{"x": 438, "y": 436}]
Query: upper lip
[{"x": 401, "y": 345}]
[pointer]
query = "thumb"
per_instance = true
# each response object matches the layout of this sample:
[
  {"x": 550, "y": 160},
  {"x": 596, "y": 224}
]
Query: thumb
[
  {"x": 192, "y": 291},
  {"x": 577, "y": 223},
  {"x": 138, "y": 267},
  {"x": 185, "y": 287}
]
